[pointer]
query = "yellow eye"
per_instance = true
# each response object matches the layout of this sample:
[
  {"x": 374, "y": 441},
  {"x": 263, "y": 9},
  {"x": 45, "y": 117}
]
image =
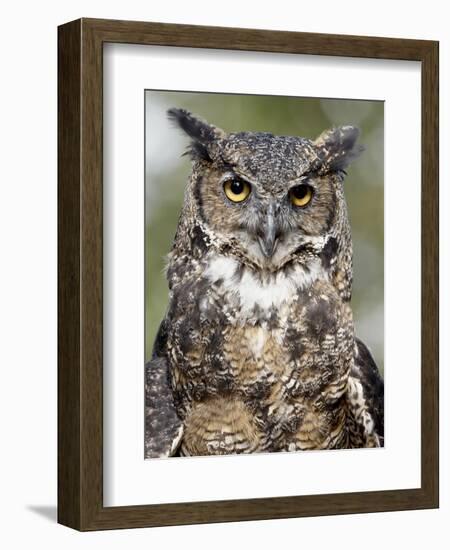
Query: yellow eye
[
  {"x": 301, "y": 195},
  {"x": 236, "y": 190}
]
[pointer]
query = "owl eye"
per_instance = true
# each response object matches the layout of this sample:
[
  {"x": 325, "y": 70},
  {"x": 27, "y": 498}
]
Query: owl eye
[
  {"x": 301, "y": 195},
  {"x": 236, "y": 190}
]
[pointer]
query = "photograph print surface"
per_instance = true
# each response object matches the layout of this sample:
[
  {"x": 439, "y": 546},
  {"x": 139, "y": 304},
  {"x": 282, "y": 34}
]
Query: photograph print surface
[{"x": 264, "y": 311}]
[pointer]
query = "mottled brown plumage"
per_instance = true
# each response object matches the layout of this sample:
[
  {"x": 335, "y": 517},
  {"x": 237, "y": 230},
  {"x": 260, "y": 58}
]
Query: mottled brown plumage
[{"x": 257, "y": 347}]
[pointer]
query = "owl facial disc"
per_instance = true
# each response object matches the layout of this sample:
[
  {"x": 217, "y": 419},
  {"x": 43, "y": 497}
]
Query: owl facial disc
[{"x": 269, "y": 201}]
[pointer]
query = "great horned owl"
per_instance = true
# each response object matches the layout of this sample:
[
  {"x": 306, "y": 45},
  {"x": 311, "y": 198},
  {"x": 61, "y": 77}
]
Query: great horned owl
[{"x": 257, "y": 351}]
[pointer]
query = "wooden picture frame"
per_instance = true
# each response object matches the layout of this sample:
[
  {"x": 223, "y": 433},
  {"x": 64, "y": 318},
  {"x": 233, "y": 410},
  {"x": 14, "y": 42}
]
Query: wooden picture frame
[{"x": 80, "y": 272}]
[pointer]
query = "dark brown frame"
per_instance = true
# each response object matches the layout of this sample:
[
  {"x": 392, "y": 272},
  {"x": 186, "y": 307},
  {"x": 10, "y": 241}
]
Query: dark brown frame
[{"x": 80, "y": 323}]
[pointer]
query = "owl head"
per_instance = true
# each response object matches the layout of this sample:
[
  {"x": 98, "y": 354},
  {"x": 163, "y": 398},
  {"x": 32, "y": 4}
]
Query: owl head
[{"x": 270, "y": 200}]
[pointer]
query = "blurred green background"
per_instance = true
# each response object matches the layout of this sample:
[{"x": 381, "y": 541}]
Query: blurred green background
[{"x": 166, "y": 172}]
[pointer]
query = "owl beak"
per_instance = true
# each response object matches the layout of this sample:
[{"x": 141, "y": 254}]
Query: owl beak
[
  {"x": 267, "y": 246},
  {"x": 267, "y": 237}
]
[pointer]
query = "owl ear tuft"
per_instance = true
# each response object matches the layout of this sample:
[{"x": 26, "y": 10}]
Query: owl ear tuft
[
  {"x": 337, "y": 148},
  {"x": 203, "y": 135}
]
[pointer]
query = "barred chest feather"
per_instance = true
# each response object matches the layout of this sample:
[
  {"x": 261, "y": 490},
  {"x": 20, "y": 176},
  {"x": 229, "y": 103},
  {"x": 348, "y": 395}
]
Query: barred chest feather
[{"x": 260, "y": 362}]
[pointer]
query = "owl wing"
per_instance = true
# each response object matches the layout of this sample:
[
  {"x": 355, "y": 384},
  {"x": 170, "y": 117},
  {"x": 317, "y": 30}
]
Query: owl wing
[
  {"x": 366, "y": 372},
  {"x": 163, "y": 428}
]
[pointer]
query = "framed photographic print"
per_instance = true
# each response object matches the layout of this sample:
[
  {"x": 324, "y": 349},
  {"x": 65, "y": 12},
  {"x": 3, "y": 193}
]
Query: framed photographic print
[{"x": 248, "y": 274}]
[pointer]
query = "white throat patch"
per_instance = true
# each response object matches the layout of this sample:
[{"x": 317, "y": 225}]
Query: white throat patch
[{"x": 276, "y": 290}]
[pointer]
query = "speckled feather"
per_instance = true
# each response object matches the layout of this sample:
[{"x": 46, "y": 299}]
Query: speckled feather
[{"x": 260, "y": 353}]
